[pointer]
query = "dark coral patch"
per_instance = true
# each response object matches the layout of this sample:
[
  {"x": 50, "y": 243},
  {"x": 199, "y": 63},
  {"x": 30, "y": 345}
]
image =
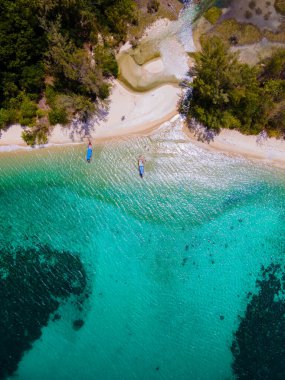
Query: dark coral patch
[
  {"x": 33, "y": 283},
  {"x": 77, "y": 324},
  {"x": 259, "y": 343},
  {"x": 184, "y": 261}
]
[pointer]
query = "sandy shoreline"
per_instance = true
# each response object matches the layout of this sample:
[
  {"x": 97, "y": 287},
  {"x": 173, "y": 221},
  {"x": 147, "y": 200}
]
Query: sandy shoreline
[
  {"x": 270, "y": 151},
  {"x": 229, "y": 142},
  {"x": 130, "y": 113},
  {"x": 140, "y": 113}
]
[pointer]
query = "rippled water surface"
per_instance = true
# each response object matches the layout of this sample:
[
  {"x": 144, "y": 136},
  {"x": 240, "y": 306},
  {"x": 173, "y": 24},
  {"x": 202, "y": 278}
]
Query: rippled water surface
[{"x": 169, "y": 259}]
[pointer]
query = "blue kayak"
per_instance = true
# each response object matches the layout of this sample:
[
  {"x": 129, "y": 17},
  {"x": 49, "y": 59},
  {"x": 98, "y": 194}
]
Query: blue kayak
[
  {"x": 141, "y": 170},
  {"x": 89, "y": 154}
]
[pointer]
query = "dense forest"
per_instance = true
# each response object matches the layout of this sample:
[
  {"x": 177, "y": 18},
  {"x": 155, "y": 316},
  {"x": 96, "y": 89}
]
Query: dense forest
[
  {"x": 228, "y": 94},
  {"x": 57, "y": 58}
]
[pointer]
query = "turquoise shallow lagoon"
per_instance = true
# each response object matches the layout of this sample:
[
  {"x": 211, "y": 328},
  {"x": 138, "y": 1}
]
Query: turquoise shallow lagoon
[{"x": 170, "y": 259}]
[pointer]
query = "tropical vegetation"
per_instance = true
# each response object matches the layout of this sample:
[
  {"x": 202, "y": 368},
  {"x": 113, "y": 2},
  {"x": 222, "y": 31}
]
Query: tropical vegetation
[
  {"x": 226, "y": 93},
  {"x": 57, "y": 59}
]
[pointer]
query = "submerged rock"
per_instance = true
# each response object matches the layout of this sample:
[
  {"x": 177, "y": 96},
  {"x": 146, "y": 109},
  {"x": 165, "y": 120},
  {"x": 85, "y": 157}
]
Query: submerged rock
[
  {"x": 33, "y": 283},
  {"x": 184, "y": 261},
  {"x": 77, "y": 324}
]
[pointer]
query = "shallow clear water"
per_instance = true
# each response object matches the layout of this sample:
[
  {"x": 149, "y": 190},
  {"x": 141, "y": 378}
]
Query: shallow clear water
[{"x": 170, "y": 258}]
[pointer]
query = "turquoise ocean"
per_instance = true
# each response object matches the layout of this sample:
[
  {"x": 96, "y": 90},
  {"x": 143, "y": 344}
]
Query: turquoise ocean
[{"x": 172, "y": 260}]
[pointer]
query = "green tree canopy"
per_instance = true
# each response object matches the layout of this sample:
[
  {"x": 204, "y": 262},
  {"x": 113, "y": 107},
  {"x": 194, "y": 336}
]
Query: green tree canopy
[
  {"x": 69, "y": 44},
  {"x": 229, "y": 94}
]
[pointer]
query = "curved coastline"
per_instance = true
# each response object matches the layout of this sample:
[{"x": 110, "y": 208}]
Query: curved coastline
[
  {"x": 144, "y": 113},
  {"x": 130, "y": 113},
  {"x": 142, "y": 102}
]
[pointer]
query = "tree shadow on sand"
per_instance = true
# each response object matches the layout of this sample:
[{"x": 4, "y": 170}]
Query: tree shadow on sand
[
  {"x": 201, "y": 132},
  {"x": 85, "y": 126}
]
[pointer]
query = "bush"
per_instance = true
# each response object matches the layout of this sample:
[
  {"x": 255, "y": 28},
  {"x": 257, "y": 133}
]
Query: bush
[
  {"x": 42, "y": 135},
  {"x": 280, "y": 6},
  {"x": 104, "y": 91},
  {"x": 36, "y": 135},
  {"x": 41, "y": 113},
  {"x": 106, "y": 61},
  {"x": 226, "y": 93},
  {"x": 50, "y": 95},
  {"x": 213, "y": 14},
  {"x": 58, "y": 116},
  {"x": 275, "y": 37},
  {"x": 153, "y": 6},
  {"x": 274, "y": 67},
  {"x": 32, "y": 78},
  {"x": 244, "y": 33},
  {"x": 28, "y": 112},
  {"x": 29, "y": 137},
  {"x": 7, "y": 117},
  {"x": 277, "y": 123}
]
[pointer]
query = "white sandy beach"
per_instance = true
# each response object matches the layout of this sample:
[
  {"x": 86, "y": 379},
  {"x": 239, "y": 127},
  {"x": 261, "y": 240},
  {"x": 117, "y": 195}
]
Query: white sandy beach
[
  {"x": 270, "y": 151},
  {"x": 129, "y": 113}
]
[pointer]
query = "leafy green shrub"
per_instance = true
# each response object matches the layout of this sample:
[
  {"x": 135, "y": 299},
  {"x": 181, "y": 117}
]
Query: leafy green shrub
[
  {"x": 244, "y": 33},
  {"x": 41, "y": 113},
  {"x": 229, "y": 121},
  {"x": 28, "y": 112},
  {"x": 57, "y": 116},
  {"x": 29, "y": 137},
  {"x": 104, "y": 91},
  {"x": 50, "y": 95},
  {"x": 107, "y": 61},
  {"x": 32, "y": 78},
  {"x": 153, "y": 6},
  {"x": 6, "y": 117},
  {"x": 42, "y": 135},
  {"x": 275, "y": 36},
  {"x": 213, "y": 14},
  {"x": 36, "y": 135},
  {"x": 277, "y": 123},
  {"x": 226, "y": 93},
  {"x": 274, "y": 67},
  {"x": 280, "y": 6}
]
